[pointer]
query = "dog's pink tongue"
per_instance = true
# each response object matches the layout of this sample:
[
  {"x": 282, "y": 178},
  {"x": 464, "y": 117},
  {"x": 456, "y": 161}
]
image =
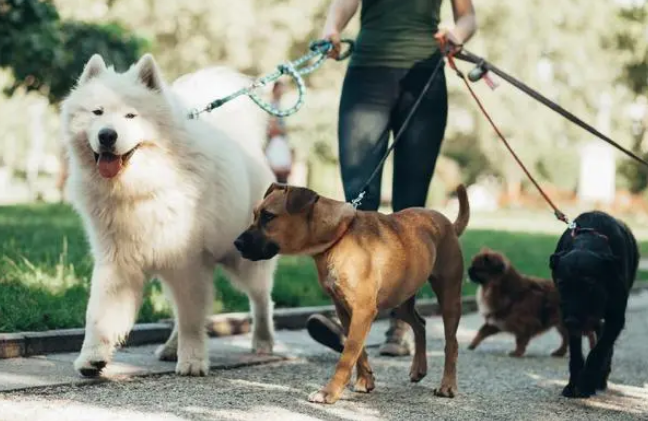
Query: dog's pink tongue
[{"x": 109, "y": 165}]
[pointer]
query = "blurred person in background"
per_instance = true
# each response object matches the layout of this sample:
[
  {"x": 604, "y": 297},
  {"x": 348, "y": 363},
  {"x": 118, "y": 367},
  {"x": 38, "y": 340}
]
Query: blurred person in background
[
  {"x": 278, "y": 151},
  {"x": 395, "y": 54}
]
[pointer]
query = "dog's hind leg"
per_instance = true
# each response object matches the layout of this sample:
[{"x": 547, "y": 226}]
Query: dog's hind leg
[
  {"x": 115, "y": 297},
  {"x": 169, "y": 350},
  {"x": 193, "y": 294},
  {"x": 256, "y": 280},
  {"x": 408, "y": 313},
  {"x": 447, "y": 288},
  {"x": 521, "y": 343}
]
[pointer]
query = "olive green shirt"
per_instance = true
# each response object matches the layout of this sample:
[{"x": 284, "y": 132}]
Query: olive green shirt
[{"x": 396, "y": 33}]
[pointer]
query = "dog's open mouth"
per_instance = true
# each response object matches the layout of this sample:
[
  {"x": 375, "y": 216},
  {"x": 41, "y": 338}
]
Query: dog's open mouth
[{"x": 110, "y": 165}]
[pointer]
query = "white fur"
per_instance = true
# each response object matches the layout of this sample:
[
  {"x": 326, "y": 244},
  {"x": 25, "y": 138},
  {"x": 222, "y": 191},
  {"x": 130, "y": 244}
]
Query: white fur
[
  {"x": 174, "y": 211},
  {"x": 485, "y": 310}
]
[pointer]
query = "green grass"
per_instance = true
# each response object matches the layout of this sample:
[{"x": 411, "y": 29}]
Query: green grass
[{"x": 45, "y": 271}]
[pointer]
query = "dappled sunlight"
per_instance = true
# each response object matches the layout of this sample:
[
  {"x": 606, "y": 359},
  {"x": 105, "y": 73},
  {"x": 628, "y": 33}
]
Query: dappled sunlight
[
  {"x": 618, "y": 397},
  {"x": 12, "y": 380},
  {"x": 360, "y": 411},
  {"x": 252, "y": 414},
  {"x": 57, "y": 410},
  {"x": 267, "y": 386}
]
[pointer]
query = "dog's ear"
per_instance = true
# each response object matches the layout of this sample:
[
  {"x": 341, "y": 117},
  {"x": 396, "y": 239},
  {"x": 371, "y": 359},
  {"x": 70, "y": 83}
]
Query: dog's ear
[
  {"x": 299, "y": 199},
  {"x": 148, "y": 73},
  {"x": 274, "y": 186},
  {"x": 554, "y": 259},
  {"x": 93, "y": 68}
]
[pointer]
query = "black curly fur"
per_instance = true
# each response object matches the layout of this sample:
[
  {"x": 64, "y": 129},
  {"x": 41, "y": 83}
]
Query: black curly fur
[{"x": 594, "y": 269}]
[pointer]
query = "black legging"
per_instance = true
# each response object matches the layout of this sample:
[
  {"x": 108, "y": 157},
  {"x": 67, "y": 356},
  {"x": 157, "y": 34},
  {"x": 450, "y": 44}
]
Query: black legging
[{"x": 374, "y": 98}]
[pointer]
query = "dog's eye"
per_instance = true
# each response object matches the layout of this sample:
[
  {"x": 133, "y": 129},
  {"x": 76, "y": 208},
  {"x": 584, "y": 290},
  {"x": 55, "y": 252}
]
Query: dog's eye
[
  {"x": 130, "y": 115},
  {"x": 266, "y": 217},
  {"x": 97, "y": 111}
]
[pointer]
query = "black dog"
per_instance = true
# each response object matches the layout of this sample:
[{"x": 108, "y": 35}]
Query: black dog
[{"x": 594, "y": 267}]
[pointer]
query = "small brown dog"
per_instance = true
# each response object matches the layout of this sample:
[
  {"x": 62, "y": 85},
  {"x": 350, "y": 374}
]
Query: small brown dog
[
  {"x": 511, "y": 302},
  {"x": 367, "y": 262}
]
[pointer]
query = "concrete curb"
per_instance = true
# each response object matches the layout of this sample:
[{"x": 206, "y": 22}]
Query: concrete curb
[{"x": 27, "y": 344}]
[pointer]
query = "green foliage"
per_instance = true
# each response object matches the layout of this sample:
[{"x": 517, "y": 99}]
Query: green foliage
[{"x": 46, "y": 54}]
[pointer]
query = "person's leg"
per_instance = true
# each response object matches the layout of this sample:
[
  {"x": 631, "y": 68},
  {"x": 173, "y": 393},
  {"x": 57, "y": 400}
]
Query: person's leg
[
  {"x": 416, "y": 153},
  {"x": 368, "y": 98},
  {"x": 415, "y": 157}
]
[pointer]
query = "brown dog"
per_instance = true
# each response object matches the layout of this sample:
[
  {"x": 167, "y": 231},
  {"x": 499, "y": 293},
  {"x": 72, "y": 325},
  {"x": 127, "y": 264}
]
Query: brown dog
[
  {"x": 511, "y": 302},
  {"x": 366, "y": 262}
]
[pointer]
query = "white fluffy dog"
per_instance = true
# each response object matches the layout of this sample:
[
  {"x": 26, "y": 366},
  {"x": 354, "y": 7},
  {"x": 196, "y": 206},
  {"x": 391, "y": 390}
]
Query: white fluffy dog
[{"x": 164, "y": 195}]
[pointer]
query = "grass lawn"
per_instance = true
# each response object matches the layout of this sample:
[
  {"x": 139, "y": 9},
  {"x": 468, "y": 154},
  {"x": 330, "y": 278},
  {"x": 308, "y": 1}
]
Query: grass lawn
[{"x": 45, "y": 270}]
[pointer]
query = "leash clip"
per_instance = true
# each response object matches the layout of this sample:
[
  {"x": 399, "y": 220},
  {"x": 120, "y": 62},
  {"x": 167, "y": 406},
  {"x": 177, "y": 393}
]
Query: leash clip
[
  {"x": 358, "y": 200},
  {"x": 480, "y": 72}
]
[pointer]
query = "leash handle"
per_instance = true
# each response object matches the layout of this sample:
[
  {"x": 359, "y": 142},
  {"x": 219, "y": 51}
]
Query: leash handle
[
  {"x": 323, "y": 46},
  {"x": 485, "y": 67}
]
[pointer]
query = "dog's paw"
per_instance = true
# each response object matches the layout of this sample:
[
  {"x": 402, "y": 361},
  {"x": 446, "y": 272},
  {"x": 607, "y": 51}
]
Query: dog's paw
[
  {"x": 446, "y": 391},
  {"x": 602, "y": 385},
  {"x": 602, "y": 382},
  {"x": 516, "y": 354},
  {"x": 365, "y": 384},
  {"x": 91, "y": 363},
  {"x": 262, "y": 346},
  {"x": 89, "y": 368},
  {"x": 472, "y": 347},
  {"x": 573, "y": 391},
  {"x": 193, "y": 367},
  {"x": 417, "y": 374},
  {"x": 323, "y": 396},
  {"x": 166, "y": 353}
]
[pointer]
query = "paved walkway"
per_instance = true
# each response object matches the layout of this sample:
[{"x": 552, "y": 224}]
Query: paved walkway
[{"x": 492, "y": 385}]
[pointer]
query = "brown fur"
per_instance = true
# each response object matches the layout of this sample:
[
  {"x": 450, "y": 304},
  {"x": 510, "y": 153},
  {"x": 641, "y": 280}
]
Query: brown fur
[
  {"x": 367, "y": 262},
  {"x": 523, "y": 305}
]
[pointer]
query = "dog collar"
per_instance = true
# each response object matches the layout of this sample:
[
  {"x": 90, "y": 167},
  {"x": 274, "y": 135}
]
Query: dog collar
[{"x": 579, "y": 230}]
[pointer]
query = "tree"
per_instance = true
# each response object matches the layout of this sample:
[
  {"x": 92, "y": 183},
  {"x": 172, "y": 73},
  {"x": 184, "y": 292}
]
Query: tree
[
  {"x": 632, "y": 41},
  {"x": 46, "y": 54}
]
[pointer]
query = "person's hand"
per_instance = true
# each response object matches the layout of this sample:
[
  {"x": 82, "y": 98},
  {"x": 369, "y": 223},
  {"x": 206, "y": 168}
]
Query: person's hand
[
  {"x": 333, "y": 35},
  {"x": 448, "y": 41}
]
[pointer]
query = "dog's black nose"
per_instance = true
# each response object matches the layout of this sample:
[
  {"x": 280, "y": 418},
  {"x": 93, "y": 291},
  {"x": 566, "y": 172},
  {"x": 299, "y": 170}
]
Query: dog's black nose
[
  {"x": 239, "y": 243},
  {"x": 107, "y": 137}
]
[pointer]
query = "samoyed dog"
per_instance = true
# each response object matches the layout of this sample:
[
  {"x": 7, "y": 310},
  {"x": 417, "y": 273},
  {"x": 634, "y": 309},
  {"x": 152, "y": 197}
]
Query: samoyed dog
[{"x": 162, "y": 195}]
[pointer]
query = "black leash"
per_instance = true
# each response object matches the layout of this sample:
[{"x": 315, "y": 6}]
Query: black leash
[
  {"x": 483, "y": 67},
  {"x": 358, "y": 199}
]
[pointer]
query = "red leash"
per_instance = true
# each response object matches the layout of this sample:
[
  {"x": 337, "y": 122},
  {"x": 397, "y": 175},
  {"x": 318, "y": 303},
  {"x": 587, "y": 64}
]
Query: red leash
[{"x": 450, "y": 56}]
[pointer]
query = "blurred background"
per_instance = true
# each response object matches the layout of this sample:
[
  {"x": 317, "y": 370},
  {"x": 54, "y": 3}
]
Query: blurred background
[{"x": 590, "y": 58}]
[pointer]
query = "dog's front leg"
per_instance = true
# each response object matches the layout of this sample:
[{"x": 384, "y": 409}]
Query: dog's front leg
[
  {"x": 115, "y": 297},
  {"x": 361, "y": 320},
  {"x": 193, "y": 293},
  {"x": 576, "y": 363}
]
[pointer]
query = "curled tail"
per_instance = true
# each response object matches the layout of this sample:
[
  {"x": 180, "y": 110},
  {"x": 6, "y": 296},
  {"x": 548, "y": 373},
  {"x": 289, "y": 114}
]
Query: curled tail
[{"x": 464, "y": 210}]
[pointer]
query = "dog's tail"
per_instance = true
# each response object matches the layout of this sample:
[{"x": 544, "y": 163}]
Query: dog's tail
[{"x": 463, "y": 217}]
